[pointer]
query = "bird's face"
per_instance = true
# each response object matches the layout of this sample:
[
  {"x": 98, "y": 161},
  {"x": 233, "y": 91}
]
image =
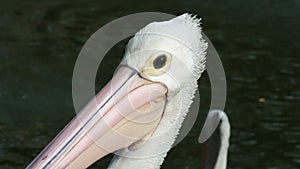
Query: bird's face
[
  {"x": 159, "y": 61},
  {"x": 162, "y": 59}
]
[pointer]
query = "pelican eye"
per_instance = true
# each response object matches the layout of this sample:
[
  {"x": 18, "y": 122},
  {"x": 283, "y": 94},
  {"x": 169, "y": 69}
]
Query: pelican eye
[
  {"x": 157, "y": 64},
  {"x": 160, "y": 61}
]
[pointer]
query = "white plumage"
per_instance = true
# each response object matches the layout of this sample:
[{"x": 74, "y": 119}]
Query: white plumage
[{"x": 182, "y": 38}]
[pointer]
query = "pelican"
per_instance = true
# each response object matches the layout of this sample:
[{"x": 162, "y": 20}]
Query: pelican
[
  {"x": 214, "y": 151},
  {"x": 138, "y": 114}
]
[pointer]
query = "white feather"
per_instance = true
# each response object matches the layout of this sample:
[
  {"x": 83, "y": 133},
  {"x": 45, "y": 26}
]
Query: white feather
[{"x": 182, "y": 38}]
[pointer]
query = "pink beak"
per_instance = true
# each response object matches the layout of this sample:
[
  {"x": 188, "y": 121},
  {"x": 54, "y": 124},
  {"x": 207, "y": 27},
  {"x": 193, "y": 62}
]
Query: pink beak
[{"x": 126, "y": 110}]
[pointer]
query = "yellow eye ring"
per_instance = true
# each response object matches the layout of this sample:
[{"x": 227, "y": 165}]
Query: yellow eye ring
[{"x": 157, "y": 64}]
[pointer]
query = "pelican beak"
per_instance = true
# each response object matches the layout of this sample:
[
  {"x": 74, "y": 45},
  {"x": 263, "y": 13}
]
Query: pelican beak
[{"x": 125, "y": 111}]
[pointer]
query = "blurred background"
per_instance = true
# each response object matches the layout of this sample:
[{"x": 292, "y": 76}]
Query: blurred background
[{"x": 258, "y": 42}]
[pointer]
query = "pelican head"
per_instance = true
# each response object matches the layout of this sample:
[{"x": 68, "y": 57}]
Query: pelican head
[
  {"x": 138, "y": 114},
  {"x": 180, "y": 40}
]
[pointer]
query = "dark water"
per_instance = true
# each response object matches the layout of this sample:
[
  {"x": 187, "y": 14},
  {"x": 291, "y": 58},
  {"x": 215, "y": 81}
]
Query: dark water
[{"x": 258, "y": 42}]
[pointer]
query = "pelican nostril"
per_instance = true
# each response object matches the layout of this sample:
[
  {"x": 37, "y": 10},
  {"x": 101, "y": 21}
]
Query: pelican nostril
[{"x": 45, "y": 157}]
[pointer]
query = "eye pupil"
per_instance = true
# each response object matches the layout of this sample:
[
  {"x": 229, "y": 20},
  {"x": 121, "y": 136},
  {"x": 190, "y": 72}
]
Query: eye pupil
[{"x": 160, "y": 61}]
